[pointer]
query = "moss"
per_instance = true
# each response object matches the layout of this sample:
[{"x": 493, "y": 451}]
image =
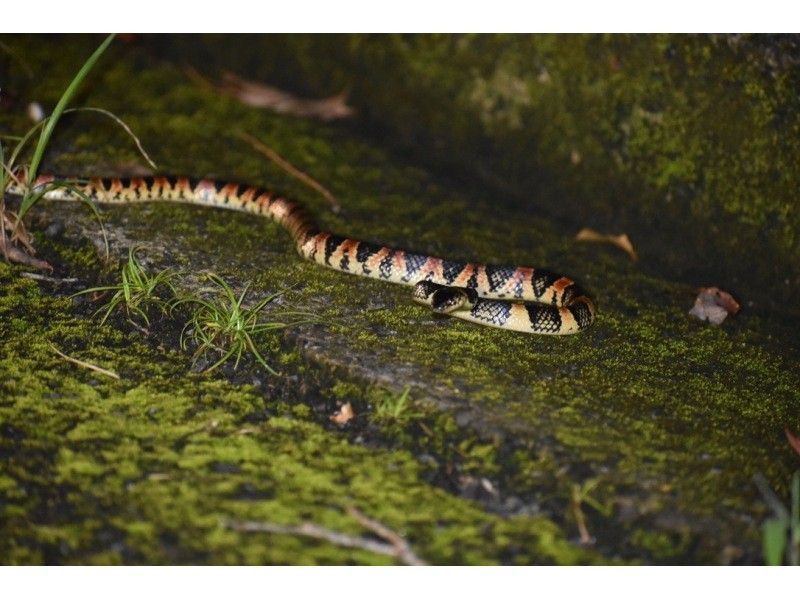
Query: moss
[{"x": 147, "y": 469}]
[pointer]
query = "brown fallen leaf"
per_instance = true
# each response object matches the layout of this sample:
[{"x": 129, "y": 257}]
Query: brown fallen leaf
[
  {"x": 713, "y": 305},
  {"x": 622, "y": 241},
  {"x": 12, "y": 224},
  {"x": 17, "y": 256},
  {"x": 13, "y": 233},
  {"x": 794, "y": 441},
  {"x": 264, "y": 96},
  {"x": 344, "y": 415}
]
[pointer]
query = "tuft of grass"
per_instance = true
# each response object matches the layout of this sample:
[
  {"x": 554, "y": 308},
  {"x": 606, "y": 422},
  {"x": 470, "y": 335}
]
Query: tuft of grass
[
  {"x": 395, "y": 408},
  {"x": 222, "y": 324},
  {"x": 137, "y": 292}
]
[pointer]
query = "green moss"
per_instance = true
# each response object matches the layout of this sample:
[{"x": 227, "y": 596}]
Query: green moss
[{"x": 148, "y": 468}]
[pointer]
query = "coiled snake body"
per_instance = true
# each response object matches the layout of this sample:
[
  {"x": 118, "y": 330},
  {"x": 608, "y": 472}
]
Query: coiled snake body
[{"x": 508, "y": 297}]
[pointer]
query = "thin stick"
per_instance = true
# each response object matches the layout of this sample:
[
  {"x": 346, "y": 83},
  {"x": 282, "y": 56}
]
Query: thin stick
[
  {"x": 295, "y": 172},
  {"x": 43, "y": 278},
  {"x": 580, "y": 519},
  {"x": 403, "y": 548},
  {"x": 84, "y": 364},
  {"x": 312, "y": 530}
]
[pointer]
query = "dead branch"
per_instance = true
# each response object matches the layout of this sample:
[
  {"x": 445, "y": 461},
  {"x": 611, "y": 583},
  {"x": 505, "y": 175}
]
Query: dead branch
[
  {"x": 43, "y": 278},
  {"x": 403, "y": 548},
  {"x": 294, "y": 171},
  {"x": 86, "y": 365},
  {"x": 397, "y": 547}
]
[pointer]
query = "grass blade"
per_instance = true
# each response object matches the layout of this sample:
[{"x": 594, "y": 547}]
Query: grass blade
[
  {"x": 124, "y": 126},
  {"x": 66, "y": 97},
  {"x": 774, "y": 538}
]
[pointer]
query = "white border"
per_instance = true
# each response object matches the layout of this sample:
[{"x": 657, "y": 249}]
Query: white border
[
  {"x": 399, "y": 582},
  {"x": 254, "y": 16}
]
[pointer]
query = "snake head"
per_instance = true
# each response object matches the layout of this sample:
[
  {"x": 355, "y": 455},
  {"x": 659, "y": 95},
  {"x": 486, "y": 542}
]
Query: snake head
[{"x": 443, "y": 299}]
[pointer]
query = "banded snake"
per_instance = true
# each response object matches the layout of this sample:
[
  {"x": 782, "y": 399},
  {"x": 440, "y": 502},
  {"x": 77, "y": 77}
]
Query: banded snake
[{"x": 508, "y": 297}]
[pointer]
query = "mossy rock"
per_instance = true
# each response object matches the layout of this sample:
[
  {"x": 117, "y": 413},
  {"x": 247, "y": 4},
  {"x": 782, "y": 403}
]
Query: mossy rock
[{"x": 666, "y": 418}]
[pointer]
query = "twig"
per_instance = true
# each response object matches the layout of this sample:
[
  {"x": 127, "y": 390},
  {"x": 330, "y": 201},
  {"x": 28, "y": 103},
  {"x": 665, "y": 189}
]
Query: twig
[
  {"x": 580, "y": 519},
  {"x": 84, "y": 364},
  {"x": 43, "y": 278},
  {"x": 312, "y": 530},
  {"x": 295, "y": 172},
  {"x": 396, "y": 546},
  {"x": 403, "y": 548}
]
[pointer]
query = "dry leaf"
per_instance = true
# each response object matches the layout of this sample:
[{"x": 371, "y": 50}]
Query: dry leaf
[
  {"x": 17, "y": 256},
  {"x": 344, "y": 415},
  {"x": 8, "y": 244},
  {"x": 794, "y": 441},
  {"x": 263, "y": 96},
  {"x": 622, "y": 241},
  {"x": 714, "y": 305}
]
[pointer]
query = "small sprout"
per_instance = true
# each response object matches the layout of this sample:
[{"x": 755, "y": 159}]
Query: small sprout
[
  {"x": 395, "y": 408},
  {"x": 137, "y": 292},
  {"x": 221, "y": 324}
]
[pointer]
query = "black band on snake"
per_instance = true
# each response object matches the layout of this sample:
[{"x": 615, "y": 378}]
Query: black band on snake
[{"x": 508, "y": 297}]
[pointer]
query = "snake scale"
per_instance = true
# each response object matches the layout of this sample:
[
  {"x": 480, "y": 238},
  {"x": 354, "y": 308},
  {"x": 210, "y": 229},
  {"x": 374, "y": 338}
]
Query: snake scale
[{"x": 508, "y": 297}]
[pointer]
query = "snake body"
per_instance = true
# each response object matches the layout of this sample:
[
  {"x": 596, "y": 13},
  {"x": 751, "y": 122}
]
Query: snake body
[{"x": 508, "y": 297}]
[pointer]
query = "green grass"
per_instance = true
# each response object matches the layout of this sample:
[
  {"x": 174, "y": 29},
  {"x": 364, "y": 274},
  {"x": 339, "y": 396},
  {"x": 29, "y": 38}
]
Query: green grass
[
  {"x": 221, "y": 324},
  {"x": 138, "y": 293},
  {"x": 11, "y": 170},
  {"x": 218, "y": 322},
  {"x": 781, "y": 533},
  {"x": 395, "y": 408},
  {"x": 8, "y": 171},
  {"x": 47, "y": 125}
]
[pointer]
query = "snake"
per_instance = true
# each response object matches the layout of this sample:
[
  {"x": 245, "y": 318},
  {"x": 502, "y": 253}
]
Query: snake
[{"x": 514, "y": 298}]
